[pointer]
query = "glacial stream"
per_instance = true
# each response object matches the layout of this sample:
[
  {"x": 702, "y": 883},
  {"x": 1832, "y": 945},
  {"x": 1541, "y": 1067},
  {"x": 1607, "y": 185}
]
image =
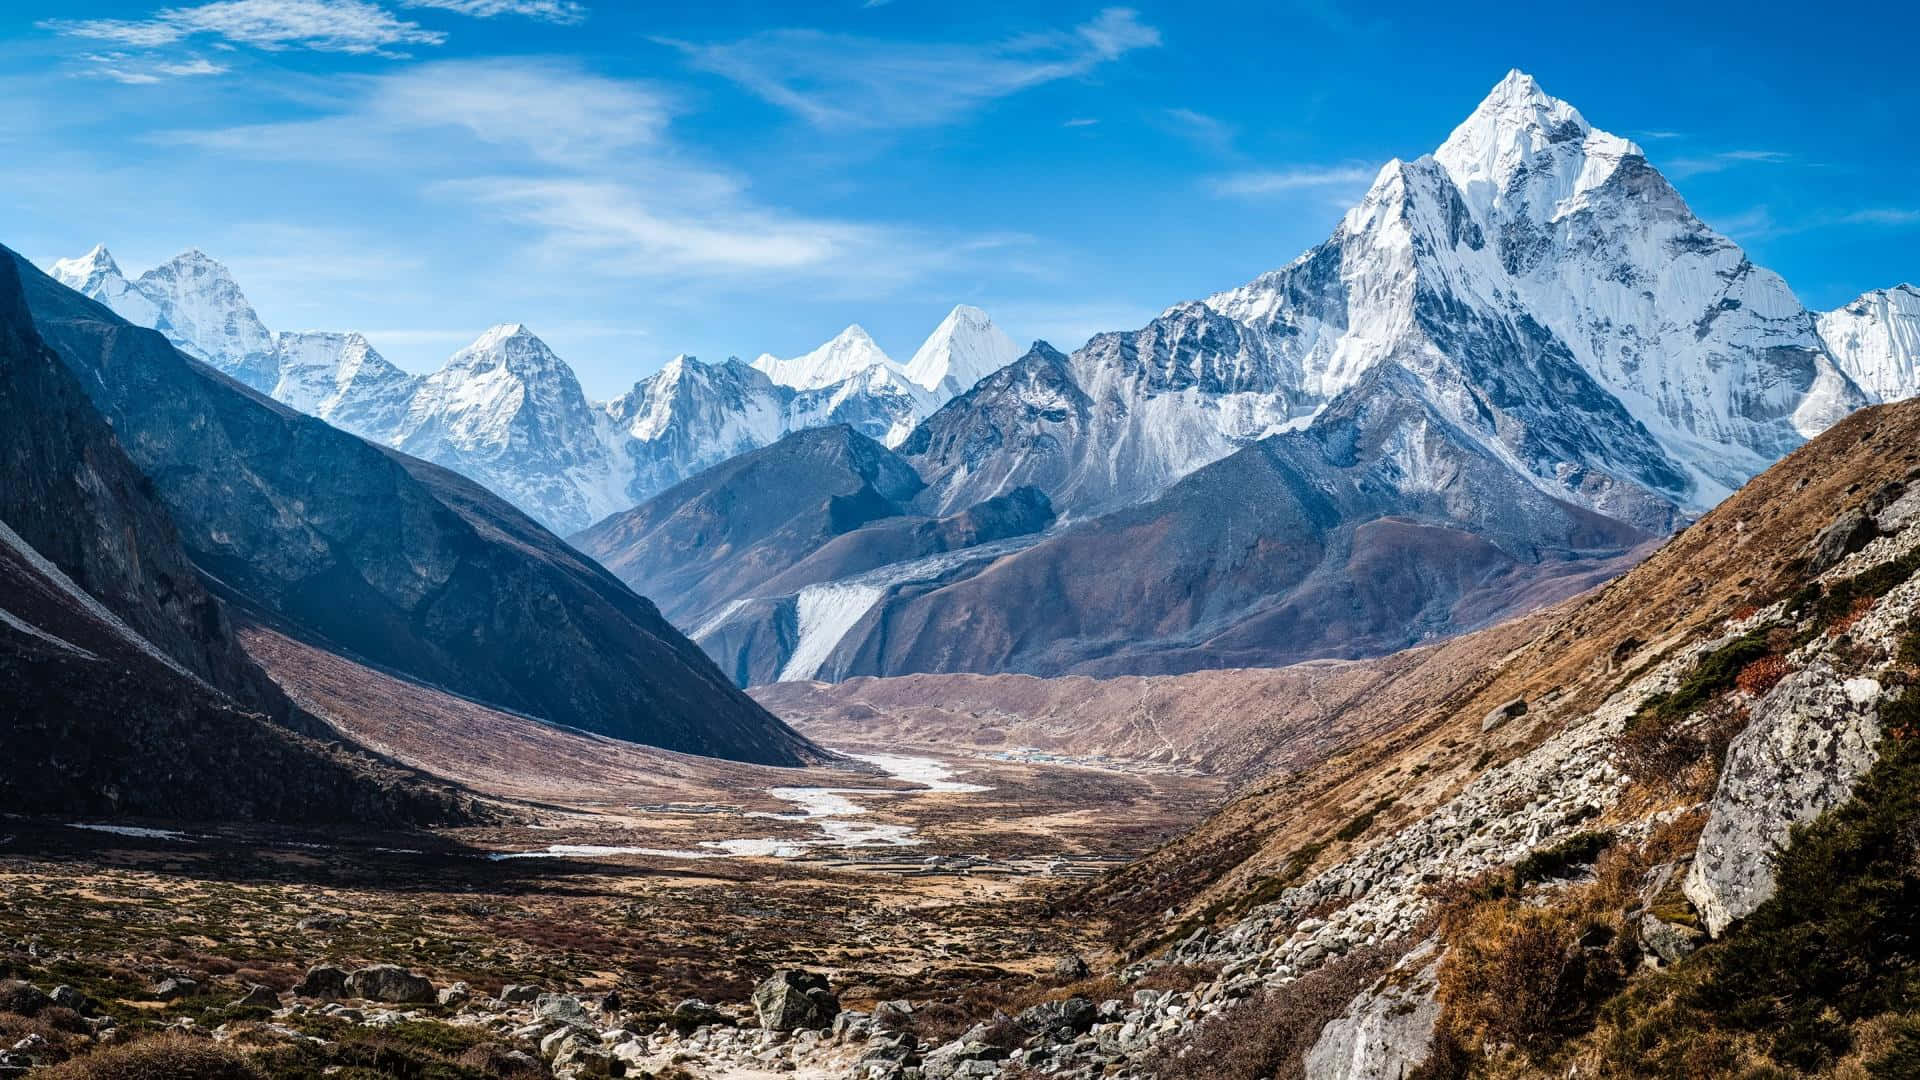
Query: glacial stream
[{"x": 831, "y": 810}]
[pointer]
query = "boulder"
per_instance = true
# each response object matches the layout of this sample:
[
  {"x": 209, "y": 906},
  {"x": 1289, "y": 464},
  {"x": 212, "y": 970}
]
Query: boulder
[
  {"x": 1811, "y": 738},
  {"x": 1071, "y": 968},
  {"x": 323, "y": 981},
  {"x": 456, "y": 995},
  {"x": 257, "y": 997},
  {"x": 1386, "y": 1032},
  {"x": 1503, "y": 712},
  {"x": 793, "y": 1000},
  {"x": 68, "y": 998},
  {"x": 692, "y": 1013},
  {"x": 520, "y": 995},
  {"x": 324, "y": 921},
  {"x": 174, "y": 988},
  {"x": 1668, "y": 941},
  {"x": 390, "y": 983},
  {"x": 562, "y": 1009},
  {"x": 1060, "y": 1021}
]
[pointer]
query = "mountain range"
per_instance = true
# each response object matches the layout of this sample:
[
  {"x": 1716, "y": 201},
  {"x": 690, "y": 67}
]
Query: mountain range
[
  {"x": 509, "y": 413},
  {"x": 392, "y": 561},
  {"x": 1516, "y": 361}
]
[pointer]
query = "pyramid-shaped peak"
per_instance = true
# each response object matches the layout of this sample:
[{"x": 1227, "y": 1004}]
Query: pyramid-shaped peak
[
  {"x": 1518, "y": 124},
  {"x": 79, "y": 272},
  {"x": 511, "y": 346}
]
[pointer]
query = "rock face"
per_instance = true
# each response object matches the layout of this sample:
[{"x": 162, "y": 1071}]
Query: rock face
[
  {"x": 1386, "y": 1032},
  {"x": 792, "y": 1000},
  {"x": 397, "y": 560},
  {"x": 1812, "y": 736}
]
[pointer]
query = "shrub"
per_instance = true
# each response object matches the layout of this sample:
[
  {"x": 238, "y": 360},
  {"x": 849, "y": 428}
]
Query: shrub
[
  {"x": 159, "y": 1057},
  {"x": 1526, "y": 976},
  {"x": 1762, "y": 675}
]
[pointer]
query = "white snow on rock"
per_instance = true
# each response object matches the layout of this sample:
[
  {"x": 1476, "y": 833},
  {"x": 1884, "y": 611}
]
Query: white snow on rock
[
  {"x": 1876, "y": 340},
  {"x": 965, "y": 348},
  {"x": 851, "y": 352}
]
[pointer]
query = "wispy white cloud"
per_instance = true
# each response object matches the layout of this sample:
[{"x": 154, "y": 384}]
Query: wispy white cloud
[
  {"x": 564, "y": 12},
  {"x": 1760, "y": 222},
  {"x": 1682, "y": 168},
  {"x": 132, "y": 70},
  {"x": 844, "y": 81},
  {"x": 553, "y": 112},
  {"x": 1880, "y": 216},
  {"x": 345, "y": 26},
  {"x": 1662, "y": 134},
  {"x": 587, "y": 166},
  {"x": 1261, "y": 182},
  {"x": 1082, "y": 121},
  {"x": 1206, "y": 131},
  {"x": 626, "y": 229}
]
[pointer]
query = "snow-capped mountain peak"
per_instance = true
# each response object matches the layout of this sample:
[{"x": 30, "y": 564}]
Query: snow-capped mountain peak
[
  {"x": 965, "y": 348},
  {"x": 84, "y": 272},
  {"x": 96, "y": 276},
  {"x": 200, "y": 308},
  {"x": 850, "y": 352},
  {"x": 1520, "y": 128},
  {"x": 1876, "y": 341}
]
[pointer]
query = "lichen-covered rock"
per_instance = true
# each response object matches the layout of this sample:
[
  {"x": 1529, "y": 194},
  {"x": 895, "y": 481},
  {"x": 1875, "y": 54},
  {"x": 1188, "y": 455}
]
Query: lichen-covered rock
[
  {"x": 1811, "y": 738},
  {"x": 390, "y": 983},
  {"x": 1387, "y": 1031},
  {"x": 1669, "y": 942},
  {"x": 791, "y": 1000}
]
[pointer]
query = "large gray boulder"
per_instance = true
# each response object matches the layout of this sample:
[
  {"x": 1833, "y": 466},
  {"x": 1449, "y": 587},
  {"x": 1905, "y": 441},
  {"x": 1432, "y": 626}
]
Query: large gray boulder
[
  {"x": 323, "y": 981},
  {"x": 1387, "y": 1031},
  {"x": 1811, "y": 738},
  {"x": 791, "y": 1000},
  {"x": 390, "y": 983}
]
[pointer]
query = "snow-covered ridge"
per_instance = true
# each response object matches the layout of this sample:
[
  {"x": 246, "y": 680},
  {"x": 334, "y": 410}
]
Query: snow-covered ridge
[
  {"x": 1876, "y": 340},
  {"x": 508, "y": 412}
]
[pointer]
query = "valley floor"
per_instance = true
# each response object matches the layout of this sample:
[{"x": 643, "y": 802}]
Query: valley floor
[{"x": 902, "y": 872}]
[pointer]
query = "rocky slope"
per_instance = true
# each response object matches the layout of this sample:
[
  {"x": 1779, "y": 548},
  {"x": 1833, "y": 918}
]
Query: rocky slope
[
  {"x": 1633, "y": 784},
  {"x": 127, "y": 691},
  {"x": 397, "y": 561}
]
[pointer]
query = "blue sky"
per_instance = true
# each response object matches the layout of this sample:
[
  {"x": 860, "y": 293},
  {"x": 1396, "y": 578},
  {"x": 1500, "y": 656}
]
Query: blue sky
[{"x": 635, "y": 180}]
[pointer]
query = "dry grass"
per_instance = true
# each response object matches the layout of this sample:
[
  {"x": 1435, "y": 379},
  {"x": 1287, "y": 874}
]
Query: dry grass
[{"x": 159, "y": 1057}]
